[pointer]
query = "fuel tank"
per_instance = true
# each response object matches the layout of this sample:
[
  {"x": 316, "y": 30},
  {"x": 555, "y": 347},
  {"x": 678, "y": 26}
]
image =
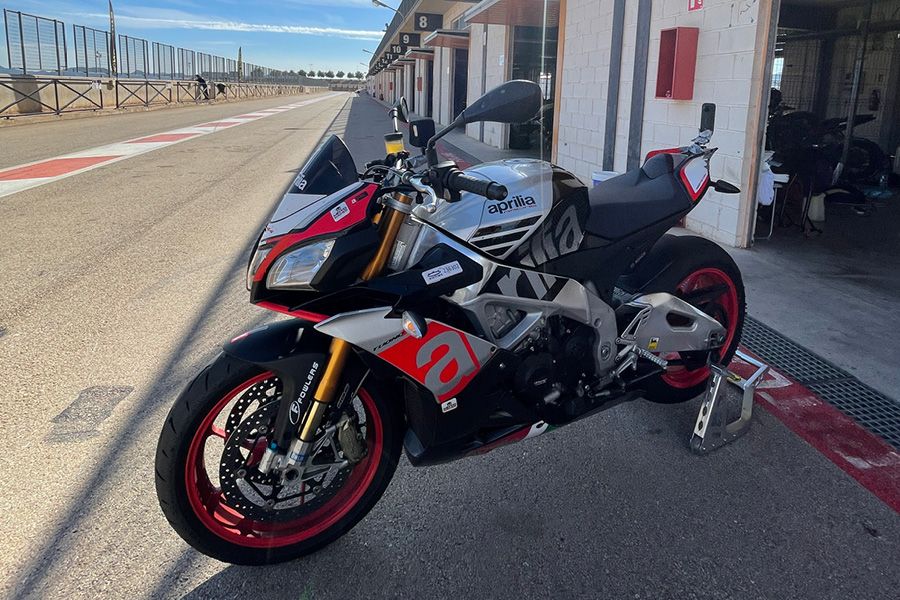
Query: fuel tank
[{"x": 541, "y": 217}]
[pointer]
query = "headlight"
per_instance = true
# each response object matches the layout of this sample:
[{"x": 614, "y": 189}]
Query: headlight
[
  {"x": 296, "y": 269},
  {"x": 258, "y": 258}
]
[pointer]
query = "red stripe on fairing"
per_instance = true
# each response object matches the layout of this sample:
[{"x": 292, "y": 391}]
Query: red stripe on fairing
[
  {"x": 163, "y": 137},
  {"x": 53, "y": 168},
  {"x": 220, "y": 124},
  {"x": 864, "y": 456},
  {"x": 358, "y": 203},
  {"x": 300, "y": 314}
]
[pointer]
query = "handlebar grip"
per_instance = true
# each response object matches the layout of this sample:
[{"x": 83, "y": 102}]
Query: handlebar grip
[{"x": 460, "y": 182}]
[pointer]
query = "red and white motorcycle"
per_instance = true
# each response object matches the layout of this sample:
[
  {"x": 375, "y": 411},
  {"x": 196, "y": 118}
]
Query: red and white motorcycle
[{"x": 444, "y": 313}]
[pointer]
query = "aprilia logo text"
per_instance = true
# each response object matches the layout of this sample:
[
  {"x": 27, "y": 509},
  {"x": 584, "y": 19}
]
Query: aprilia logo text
[{"x": 517, "y": 202}]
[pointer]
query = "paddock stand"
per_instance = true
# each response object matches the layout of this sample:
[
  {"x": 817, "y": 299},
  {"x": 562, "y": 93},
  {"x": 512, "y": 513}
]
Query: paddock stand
[{"x": 713, "y": 429}]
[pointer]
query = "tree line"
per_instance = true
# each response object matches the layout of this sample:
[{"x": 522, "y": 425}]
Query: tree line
[{"x": 314, "y": 73}]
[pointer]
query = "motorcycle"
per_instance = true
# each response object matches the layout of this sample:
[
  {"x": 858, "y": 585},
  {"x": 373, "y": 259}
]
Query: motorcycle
[
  {"x": 443, "y": 313},
  {"x": 801, "y": 141}
]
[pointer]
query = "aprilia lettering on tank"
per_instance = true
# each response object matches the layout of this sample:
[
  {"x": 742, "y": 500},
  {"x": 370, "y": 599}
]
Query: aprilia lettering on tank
[
  {"x": 553, "y": 240},
  {"x": 515, "y": 203}
]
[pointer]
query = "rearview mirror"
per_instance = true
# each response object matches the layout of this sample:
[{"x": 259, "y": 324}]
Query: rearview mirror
[
  {"x": 420, "y": 131},
  {"x": 515, "y": 101},
  {"x": 400, "y": 110}
]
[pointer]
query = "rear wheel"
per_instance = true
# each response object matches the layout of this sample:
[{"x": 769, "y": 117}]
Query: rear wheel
[
  {"x": 218, "y": 502},
  {"x": 704, "y": 275}
]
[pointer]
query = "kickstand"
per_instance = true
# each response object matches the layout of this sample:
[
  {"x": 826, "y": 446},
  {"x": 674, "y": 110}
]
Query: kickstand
[{"x": 713, "y": 430}]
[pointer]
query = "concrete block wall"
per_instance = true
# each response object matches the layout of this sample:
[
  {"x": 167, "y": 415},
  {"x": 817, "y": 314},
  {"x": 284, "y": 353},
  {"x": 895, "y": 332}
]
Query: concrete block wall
[
  {"x": 422, "y": 67},
  {"x": 725, "y": 53},
  {"x": 492, "y": 41},
  {"x": 409, "y": 76},
  {"x": 725, "y": 58},
  {"x": 443, "y": 84},
  {"x": 583, "y": 75}
]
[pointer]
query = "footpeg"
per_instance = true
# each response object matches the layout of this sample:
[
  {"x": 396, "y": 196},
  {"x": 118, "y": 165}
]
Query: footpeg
[{"x": 713, "y": 429}]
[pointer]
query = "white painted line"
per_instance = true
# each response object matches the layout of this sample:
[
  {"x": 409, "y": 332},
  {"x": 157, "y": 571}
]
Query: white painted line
[{"x": 29, "y": 175}]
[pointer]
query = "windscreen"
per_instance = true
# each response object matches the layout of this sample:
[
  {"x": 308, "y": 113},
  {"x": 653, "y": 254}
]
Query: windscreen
[{"x": 330, "y": 168}]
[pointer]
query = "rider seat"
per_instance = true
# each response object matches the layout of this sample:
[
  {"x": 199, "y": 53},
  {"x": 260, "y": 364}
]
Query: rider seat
[{"x": 637, "y": 199}]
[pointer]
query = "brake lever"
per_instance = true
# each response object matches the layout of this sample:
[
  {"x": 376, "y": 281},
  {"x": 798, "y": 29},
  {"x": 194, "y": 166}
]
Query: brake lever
[{"x": 420, "y": 186}]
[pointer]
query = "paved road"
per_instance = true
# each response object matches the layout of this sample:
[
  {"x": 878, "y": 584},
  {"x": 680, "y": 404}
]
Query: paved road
[{"x": 120, "y": 283}]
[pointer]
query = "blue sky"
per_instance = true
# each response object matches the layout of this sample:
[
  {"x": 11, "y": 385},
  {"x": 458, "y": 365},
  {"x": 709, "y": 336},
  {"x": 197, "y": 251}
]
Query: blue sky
[{"x": 281, "y": 34}]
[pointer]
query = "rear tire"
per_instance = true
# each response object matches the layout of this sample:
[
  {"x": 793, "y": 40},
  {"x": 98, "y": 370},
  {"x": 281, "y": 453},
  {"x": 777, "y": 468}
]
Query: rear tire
[
  {"x": 695, "y": 260},
  {"x": 187, "y": 491}
]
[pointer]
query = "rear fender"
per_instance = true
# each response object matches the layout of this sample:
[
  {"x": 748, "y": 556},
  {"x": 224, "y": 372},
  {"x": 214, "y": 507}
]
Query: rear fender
[{"x": 661, "y": 256}]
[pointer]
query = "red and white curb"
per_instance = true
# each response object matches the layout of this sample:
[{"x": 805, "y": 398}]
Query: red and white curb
[
  {"x": 30, "y": 175},
  {"x": 861, "y": 454}
]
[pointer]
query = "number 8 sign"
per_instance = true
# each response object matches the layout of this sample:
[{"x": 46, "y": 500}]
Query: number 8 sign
[{"x": 428, "y": 21}]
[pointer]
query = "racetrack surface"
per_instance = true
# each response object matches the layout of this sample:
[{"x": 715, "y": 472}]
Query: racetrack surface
[{"x": 121, "y": 283}]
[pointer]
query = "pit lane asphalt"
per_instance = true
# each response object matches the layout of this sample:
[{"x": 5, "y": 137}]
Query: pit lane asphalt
[{"x": 131, "y": 276}]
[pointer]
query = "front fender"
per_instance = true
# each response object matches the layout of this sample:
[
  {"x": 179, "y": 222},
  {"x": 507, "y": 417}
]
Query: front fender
[
  {"x": 297, "y": 354},
  {"x": 274, "y": 343}
]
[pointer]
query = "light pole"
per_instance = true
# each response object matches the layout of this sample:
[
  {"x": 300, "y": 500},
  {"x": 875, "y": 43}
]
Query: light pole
[{"x": 383, "y": 5}]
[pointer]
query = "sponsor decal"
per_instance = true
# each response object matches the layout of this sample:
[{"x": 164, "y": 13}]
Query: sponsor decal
[
  {"x": 654, "y": 343},
  {"x": 301, "y": 182},
  {"x": 515, "y": 203},
  {"x": 340, "y": 211},
  {"x": 449, "y": 405},
  {"x": 297, "y": 405},
  {"x": 388, "y": 342},
  {"x": 442, "y": 272}
]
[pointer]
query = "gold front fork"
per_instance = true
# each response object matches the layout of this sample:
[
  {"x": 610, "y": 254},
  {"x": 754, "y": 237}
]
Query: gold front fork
[{"x": 390, "y": 225}]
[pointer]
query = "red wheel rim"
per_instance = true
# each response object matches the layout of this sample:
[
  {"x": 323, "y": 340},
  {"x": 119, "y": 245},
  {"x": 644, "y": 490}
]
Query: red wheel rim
[
  {"x": 227, "y": 523},
  {"x": 723, "y": 308}
]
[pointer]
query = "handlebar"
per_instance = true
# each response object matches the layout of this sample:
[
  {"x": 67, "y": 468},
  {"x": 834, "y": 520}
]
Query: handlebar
[{"x": 458, "y": 181}]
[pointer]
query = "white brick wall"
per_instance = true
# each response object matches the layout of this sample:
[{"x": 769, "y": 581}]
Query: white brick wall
[
  {"x": 583, "y": 75},
  {"x": 725, "y": 56}
]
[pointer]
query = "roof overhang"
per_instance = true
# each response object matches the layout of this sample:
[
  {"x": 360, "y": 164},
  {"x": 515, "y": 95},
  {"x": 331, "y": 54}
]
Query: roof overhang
[
  {"x": 422, "y": 53},
  {"x": 514, "y": 12},
  {"x": 447, "y": 38}
]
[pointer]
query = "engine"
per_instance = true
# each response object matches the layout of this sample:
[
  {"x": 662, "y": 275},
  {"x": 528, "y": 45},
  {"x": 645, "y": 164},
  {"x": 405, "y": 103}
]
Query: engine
[{"x": 554, "y": 367}]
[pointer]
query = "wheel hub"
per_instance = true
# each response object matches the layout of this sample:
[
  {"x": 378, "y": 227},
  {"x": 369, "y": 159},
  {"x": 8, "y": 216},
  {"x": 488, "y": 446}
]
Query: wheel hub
[{"x": 266, "y": 496}]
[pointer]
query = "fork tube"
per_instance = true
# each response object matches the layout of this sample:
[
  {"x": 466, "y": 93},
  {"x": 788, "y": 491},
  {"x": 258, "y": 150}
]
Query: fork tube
[{"x": 390, "y": 225}]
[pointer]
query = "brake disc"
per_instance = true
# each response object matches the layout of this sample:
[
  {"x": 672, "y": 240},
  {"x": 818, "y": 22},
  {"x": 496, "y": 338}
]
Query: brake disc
[
  {"x": 260, "y": 496},
  {"x": 261, "y": 392}
]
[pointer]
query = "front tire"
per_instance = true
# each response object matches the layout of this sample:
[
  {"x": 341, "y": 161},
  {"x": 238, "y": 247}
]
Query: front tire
[
  {"x": 192, "y": 470},
  {"x": 697, "y": 269}
]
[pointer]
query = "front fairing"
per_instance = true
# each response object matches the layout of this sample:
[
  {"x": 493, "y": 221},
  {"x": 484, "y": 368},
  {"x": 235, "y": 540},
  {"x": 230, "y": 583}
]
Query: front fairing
[{"x": 326, "y": 201}]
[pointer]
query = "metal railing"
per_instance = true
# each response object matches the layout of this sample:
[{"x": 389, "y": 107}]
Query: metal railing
[{"x": 34, "y": 95}]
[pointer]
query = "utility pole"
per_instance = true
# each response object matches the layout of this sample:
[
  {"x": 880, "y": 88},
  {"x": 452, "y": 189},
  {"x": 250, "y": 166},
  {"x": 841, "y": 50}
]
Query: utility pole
[{"x": 240, "y": 65}]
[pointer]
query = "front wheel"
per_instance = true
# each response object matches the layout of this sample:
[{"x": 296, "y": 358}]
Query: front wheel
[
  {"x": 219, "y": 503},
  {"x": 701, "y": 273}
]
